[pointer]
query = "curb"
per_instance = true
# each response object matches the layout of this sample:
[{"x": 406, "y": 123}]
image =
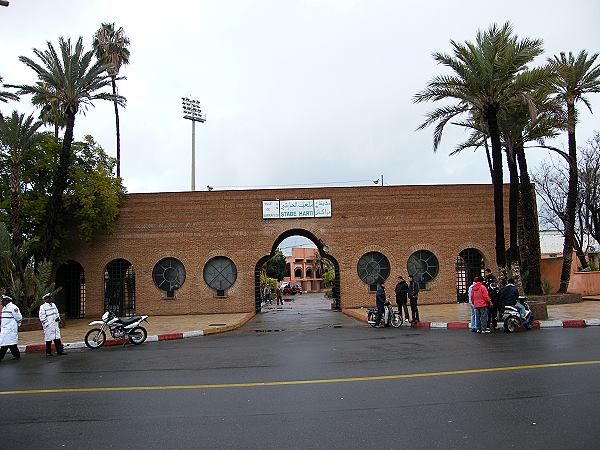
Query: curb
[
  {"x": 538, "y": 324},
  {"x": 32, "y": 348}
]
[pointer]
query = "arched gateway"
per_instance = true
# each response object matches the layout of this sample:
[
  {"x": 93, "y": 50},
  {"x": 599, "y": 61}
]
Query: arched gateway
[
  {"x": 218, "y": 239},
  {"x": 323, "y": 251}
]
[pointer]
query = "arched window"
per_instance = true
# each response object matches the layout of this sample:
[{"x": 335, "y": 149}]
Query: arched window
[
  {"x": 119, "y": 287},
  {"x": 298, "y": 272},
  {"x": 309, "y": 273},
  {"x": 469, "y": 264}
]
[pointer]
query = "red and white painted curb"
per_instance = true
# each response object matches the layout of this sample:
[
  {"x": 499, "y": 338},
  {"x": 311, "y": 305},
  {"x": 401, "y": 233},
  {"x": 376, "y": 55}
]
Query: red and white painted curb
[
  {"x": 112, "y": 342},
  {"x": 153, "y": 338},
  {"x": 579, "y": 323}
]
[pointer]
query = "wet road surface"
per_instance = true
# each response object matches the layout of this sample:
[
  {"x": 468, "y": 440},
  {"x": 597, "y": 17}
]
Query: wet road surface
[{"x": 324, "y": 381}]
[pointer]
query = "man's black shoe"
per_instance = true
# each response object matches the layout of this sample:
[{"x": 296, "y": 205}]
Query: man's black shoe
[
  {"x": 62, "y": 353},
  {"x": 15, "y": 358},
  {"x": 49, "y": 354}
]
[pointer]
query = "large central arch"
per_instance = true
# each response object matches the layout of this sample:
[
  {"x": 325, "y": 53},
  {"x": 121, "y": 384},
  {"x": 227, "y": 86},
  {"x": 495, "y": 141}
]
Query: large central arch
[{"x": 323, "y": 251}]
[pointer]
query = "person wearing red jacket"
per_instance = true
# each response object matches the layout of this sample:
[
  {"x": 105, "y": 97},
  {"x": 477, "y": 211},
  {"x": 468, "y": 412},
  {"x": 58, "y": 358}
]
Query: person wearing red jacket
[{"x": 481, "y": 301}]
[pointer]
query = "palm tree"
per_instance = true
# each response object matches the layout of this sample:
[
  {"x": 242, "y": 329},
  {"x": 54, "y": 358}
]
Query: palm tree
[
  {"x": 577, "y": 76},
  {"x": 6, "y": 96},
  {"x": 50, "y": 112},
  {"x": 487, "y": 75},
  {"x": 75, "y": 79},
  {"x": 110, "y": 46},
  {"x": 19, "y": 134}
]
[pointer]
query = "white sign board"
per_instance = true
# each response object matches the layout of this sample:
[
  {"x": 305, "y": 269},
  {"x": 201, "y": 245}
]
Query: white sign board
[{"x": 296, "y": 209}]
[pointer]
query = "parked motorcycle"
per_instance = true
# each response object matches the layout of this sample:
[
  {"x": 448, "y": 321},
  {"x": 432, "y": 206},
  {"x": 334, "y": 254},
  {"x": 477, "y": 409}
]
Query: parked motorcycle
[
  {"x": 390, "y": 317},
  {"x": 119, "y": 329},
  {"x": 513, "y": 320}
]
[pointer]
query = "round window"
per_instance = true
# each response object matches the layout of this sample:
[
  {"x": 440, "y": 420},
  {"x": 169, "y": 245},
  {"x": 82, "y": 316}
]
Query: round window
[
  {"x": 373, "y": 268},
  {"x": 423, "y": 266},
  {"x": 220, "y": 273},
  {"x": 168, "y": 274}
]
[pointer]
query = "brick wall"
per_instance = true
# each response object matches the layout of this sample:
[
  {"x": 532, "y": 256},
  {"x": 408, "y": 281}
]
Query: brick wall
[{"x": 196, "y": 226}]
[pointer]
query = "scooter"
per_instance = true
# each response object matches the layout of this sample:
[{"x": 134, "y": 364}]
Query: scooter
[
  {"x": 119, "y": 329},
  {"x": 512, "y": 318},
  {"x": 390, "y": 317}
]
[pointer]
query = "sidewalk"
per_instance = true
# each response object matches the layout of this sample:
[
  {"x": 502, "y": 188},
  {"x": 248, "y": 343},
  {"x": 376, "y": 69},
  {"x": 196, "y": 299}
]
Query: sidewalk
[
  {"x": 458, "y": 315},
  {"x": 160, "y": 328}
]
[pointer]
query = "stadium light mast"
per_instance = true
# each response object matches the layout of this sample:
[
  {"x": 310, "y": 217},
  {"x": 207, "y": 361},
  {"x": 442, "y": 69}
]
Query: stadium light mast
[{"x": 192, "y": 111}]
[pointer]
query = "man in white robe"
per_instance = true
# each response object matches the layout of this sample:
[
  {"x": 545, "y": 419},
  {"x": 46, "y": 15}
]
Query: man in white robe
[
  {"x": 50, "y": 319},
  {"x": 10, "y": 319}
]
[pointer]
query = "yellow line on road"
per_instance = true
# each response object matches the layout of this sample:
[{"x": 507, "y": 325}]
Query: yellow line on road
[{"x": 298, "y": 382}]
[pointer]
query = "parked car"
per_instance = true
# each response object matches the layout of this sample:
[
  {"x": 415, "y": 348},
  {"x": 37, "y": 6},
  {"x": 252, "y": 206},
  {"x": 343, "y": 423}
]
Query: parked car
[{"x": 292, "y": 289}]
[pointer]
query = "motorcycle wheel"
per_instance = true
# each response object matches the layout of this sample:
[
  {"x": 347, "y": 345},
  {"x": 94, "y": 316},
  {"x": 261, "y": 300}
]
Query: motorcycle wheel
[
  {"x": 396, "y": 320},
  {"x": 95, "y": 338},
  {"x": 371, "y": 319},
  {"x": 138, "y": 335},
  {"x": 510, "y": 325}
]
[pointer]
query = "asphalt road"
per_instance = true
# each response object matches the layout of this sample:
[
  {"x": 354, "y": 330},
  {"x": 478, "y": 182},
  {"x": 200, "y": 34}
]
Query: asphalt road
[{"x": 319, "y": 382}]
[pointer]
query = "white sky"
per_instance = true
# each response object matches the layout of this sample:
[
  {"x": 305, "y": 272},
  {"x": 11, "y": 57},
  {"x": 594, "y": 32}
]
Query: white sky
[{"x": 295, "y": 93}]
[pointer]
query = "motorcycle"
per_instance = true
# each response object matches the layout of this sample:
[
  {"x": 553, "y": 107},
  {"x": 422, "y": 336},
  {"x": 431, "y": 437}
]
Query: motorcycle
[
  {"x": 512, "y": 318},
  {"x": 119, "y": 329},
  {"x": 390, "y": 317}
]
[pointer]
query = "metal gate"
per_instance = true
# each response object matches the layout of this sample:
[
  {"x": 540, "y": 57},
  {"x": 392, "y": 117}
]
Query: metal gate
[
  {"x": 119, "y": 288},
  {"x": 71, "y": 298},
  {"x": 469, "y": 264}
]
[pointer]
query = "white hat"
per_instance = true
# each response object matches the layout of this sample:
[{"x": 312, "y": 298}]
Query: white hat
[{"x": 6, "y": 298}]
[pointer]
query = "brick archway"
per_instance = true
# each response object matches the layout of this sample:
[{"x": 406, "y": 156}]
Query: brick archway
[{"x": 321, "y": 247}]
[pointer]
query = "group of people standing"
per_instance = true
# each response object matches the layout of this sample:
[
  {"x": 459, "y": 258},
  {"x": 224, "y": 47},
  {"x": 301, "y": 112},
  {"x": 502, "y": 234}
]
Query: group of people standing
[
  {"x": 487, "y": 301},
  {"x": 11, "y": 319},
  {"x": 267, "y": 292},
  {"x": 405, "y": 292}
]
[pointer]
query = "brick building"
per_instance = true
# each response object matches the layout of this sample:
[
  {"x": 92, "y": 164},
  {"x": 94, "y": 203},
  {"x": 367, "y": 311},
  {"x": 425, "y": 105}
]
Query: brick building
[
  {"x": 201, "y": 252},
  {"x": 304, "y": 267}
]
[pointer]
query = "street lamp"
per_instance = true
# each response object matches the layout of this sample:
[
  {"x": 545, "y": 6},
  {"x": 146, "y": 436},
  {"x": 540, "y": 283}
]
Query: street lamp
[{"x": 192, "y": 111}]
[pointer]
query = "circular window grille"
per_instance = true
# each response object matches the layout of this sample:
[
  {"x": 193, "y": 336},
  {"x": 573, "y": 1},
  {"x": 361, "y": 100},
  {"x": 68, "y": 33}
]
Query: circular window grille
[
  {"x": 423, "y": 266},
  {"x": 168, "y": 274},
  {"x": 220, "y": 273},
  {"x": 373, "y": 268}
]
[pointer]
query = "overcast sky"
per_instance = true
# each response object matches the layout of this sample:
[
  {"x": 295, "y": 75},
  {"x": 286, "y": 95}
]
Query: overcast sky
[{"x": 295, "y": 92}]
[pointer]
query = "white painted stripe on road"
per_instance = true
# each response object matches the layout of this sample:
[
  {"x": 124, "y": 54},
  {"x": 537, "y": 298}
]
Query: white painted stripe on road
[
  {"x": 592, "y": 322},
  {"x": 188, "y": 334},
  {"x": 551, "y": 323},
  {"x": 438, "y": 325}
]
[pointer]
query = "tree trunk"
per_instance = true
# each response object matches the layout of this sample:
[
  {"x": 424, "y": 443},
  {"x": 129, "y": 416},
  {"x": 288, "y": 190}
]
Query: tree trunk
[
  {"x": 513, "y": 211},
  {"x": 15, "y": 197},
  {"x": 571, "y": 206},
  {"x": 497, "y": 181},
  {"x": 530, "y": 226},
  {"x": 114, "y": 88},
  {"x": 54, "y": 208}
]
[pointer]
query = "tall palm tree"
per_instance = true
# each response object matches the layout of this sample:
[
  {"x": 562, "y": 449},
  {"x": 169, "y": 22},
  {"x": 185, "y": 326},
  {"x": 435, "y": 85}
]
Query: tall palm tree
[
  {"x": 487, "y": 75},
  {"x": 19, "y": 134},
  {"x": 110, "y": 46},
  {"x": 76, "y": 80},
  {"x": 577, "y": 76}
]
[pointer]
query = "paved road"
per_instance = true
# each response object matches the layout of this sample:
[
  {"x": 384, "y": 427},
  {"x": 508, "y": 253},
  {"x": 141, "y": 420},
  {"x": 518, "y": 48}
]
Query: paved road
[{"x": 549, "y": 407}]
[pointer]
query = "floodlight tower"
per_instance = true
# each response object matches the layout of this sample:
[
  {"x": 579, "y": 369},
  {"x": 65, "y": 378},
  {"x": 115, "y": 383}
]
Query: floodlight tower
[{"x": 192, "y": 111}]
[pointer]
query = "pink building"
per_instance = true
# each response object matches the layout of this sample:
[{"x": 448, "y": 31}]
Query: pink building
[{"x": 304, "y": 266}]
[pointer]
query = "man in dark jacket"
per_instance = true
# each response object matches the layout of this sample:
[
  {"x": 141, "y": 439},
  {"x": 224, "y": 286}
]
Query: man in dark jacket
[
  {"x": 489, "y": 279},
  {"x": 413, "y": 296},
  {"x": 401, "y": 297},
  {"x": 380, "y": 299},
  {"x": 509, "y": 296}
]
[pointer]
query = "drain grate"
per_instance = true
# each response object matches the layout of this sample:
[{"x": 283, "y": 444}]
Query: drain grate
[
  {"x": 217, "y": 324},
  {"x": 267, "y": 331}
]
